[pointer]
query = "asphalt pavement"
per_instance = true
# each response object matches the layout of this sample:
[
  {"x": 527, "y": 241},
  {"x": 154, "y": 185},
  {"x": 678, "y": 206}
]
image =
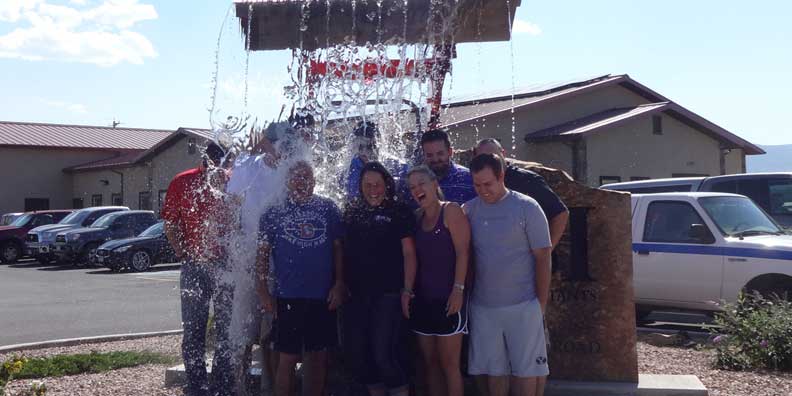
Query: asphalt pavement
[{"x": 46, "y": 302}]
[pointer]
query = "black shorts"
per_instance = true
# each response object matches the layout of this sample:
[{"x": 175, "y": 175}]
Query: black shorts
[
  {"x": 428, "y": 317},
  {"x": 304, "y": 325}
]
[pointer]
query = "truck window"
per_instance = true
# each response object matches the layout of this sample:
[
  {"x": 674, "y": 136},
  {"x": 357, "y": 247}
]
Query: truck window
[
  {"x": 671, "y": 221},
  {"x": 756, "y": 189},
  {"x": 659, "y": 189},
  {"x": 780, "y": 196},
  {"x": 729, "y": 186}
]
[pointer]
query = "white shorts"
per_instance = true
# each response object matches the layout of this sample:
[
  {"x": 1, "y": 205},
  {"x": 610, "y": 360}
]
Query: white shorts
[{"x": 508, "y": 340}]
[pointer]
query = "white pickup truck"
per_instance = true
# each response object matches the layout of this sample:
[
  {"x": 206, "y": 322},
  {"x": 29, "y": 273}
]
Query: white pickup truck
[{"x": 693, "y": 250}]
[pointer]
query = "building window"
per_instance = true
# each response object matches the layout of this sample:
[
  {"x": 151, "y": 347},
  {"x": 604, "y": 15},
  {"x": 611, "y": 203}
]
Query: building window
[
  {"x": 117, "y": 199},
  {"x": 191, "y": 148},
  {"x": 32, "y": 204},
  {"x": 609, "y": 179},
  {"x": 161, "y": 197},
  {"x": 144, "y": 200},
  {"x": 639, "y": 178},
  {"x": 77, "y": 203},
  {"x": 657, "y": 125},
  {"x": 96, "y": 200}
]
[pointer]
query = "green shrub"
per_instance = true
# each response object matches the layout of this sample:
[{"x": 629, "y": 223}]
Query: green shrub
[
  {"x": 61, "y": 365},
  {"x": 9, "y": 369},
  {"x": 756, "y": 332}
]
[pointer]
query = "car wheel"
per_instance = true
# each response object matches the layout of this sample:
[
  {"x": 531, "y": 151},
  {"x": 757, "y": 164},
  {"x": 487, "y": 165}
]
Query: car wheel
[
  {"x": 10, "y": 252},
  {"x": 770, "y": 286},
  {"x": 140, "y": 261},
  {"x": 86, "y": 255}
]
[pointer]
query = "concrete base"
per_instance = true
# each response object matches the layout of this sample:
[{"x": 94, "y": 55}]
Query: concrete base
[
  {"x": 175, "y": 375},
  {"x": 648, "y": 385}
]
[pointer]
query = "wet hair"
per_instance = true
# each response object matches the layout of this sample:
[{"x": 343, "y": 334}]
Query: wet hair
[
  {"x": 390, "y": 183},
  {"x": 436, "y": 135},
  {"x": 492, "y": 141},
  {"x": 366, "y": 129},
  {"x": 492, "y": 161},
  {"x": 428, "y": 172},
  {"x": 214, "y": 153},
  {"x": 300, "y": 164},
  {"x": 299, "y": 121}
]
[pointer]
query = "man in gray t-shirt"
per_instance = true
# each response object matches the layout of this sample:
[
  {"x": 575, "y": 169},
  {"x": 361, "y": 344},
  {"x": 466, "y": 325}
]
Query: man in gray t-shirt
[{"x": 512, "y": 248}]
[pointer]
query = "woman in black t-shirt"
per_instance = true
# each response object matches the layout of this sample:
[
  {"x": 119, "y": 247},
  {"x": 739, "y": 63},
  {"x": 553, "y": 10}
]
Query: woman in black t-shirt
[{"x": 378, "y": 246}]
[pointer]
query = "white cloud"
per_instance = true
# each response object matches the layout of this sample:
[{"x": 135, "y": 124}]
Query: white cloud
[
  {"x": 122, "y": 14},
  {"x": 100, "y": 35},
  {"x": 71, "y": 107},
  {"x": 520, "y": 26},
  {"x": 12, "y": 10}
]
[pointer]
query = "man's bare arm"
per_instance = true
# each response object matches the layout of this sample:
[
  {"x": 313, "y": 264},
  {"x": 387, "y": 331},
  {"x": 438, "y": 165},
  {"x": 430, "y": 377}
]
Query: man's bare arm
[
  {"x": 557, "y": 226},
  {"x": 174, "y": 238},
  {"x": 542, "y": 257}
]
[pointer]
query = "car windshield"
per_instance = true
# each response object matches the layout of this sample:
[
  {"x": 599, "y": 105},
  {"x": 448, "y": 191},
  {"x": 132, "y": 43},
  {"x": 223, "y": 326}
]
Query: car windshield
[
  {"x": 7, "y": 219},
  {"x": 73, "y": 218},
  {"x": 738, "y": 216},
  {"x": 153, "y": 231},
  {"x": 104, "y": 221},
  {"x": 21, "y": 220}
]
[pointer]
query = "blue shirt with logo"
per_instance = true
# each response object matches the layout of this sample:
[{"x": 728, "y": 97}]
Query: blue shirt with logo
[
  {"x": 301, "y": 239},
  {"x": 457, "y": 185}
]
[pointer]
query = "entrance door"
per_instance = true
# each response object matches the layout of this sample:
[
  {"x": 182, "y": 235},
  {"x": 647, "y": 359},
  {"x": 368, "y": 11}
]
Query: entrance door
[{"x": 32, "y": 204}]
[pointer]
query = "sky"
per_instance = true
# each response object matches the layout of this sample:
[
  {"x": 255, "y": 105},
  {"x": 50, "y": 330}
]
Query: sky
[{"x": 150, "y": 63}]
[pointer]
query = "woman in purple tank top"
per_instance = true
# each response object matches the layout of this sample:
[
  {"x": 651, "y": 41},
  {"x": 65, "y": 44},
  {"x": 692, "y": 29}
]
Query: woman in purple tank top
[{"x": 434, "y": 292}]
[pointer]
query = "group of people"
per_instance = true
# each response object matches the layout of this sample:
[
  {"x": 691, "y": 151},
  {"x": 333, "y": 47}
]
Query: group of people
[{"x": 437, "y": 251}]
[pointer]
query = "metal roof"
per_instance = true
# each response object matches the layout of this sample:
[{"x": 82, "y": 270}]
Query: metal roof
[
  {"x": 595, "y": 121},
  {"x": 468, "y": 108},
  {"x": 27, "y": 134},
  {"x": 132, "y": 157},
  {"x": 123, "y": 159}
]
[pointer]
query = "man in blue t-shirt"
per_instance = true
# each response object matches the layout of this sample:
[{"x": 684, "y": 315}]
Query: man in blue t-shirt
[
  {"x": 455, "y": 180},
  {"x": 303, "y": 237}
]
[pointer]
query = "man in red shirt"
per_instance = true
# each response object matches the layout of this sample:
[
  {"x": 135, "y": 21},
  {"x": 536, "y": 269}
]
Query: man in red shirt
[{"x": 194, "y": 214}]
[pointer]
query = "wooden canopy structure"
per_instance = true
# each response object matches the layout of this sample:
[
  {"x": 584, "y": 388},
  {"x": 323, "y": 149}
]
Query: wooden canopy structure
[{"x": 283, "y": 24}]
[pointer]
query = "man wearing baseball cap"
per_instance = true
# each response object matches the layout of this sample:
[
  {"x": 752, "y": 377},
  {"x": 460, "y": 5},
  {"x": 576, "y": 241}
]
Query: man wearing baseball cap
[{"x": 194, "y": 215}]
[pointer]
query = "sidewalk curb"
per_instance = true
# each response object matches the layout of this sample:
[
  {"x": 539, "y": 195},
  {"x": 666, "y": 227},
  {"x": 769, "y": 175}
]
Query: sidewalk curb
[{"x": 84, "y": 340}]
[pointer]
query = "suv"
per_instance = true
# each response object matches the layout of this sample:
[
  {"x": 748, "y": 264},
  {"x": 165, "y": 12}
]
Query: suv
[
  {"x": 12, "y": 236},
  {"x": 771, "y": 191},
  {"x": 38, "y": 242},
  {"x": 79, "y": 245}
]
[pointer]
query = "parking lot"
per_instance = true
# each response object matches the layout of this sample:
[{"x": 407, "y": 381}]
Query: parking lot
[{"x": 46, "y": 301}]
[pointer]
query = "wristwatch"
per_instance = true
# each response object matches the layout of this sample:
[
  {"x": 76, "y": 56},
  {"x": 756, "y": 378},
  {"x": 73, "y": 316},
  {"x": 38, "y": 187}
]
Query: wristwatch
[{"x": 459, "y": 286}]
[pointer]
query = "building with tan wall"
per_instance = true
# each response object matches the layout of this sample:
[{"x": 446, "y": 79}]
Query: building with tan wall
[
  {"x": 600, "y": 130},
  {"x": 140, "y": 182},
  {"x": 53, "y": 166},
  {"x": 33, "y": 157}
]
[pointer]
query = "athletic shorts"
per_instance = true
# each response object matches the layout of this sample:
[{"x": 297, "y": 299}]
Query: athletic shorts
[
  {"x": 508, "y": 340},
  {"x": 429, "y": 318},
  {"x": 304, "y": 325}
]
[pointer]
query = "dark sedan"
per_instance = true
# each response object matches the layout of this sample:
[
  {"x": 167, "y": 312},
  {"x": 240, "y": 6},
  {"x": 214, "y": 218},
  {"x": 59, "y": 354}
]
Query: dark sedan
[{"x": 138, "y": 253}]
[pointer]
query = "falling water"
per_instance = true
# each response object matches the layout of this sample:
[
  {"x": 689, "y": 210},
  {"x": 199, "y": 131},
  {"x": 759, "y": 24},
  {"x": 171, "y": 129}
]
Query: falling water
[
  {"x": 513, "y": 153},
  {"x": 339, "y": 85}
]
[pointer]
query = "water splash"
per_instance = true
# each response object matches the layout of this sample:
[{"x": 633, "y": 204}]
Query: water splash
[{"x": 513, "y": 152}]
